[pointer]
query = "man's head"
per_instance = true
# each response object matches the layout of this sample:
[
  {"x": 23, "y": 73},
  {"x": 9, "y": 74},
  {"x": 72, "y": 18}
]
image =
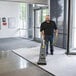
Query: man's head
[{"x": 47, "y": 18}]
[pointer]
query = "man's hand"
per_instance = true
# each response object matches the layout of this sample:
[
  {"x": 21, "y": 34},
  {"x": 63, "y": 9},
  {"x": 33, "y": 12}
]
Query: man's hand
[
  {"x": 56, "y": 37},
  {"x": 42, "y": 35},
  {"x": 56, "y": 33}
]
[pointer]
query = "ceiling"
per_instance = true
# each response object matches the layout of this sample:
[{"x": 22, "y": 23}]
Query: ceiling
[{"x": 29, "y": 1}]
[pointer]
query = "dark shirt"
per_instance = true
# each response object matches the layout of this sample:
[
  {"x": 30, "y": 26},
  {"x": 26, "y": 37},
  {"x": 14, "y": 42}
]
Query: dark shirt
[{"x": 48, "y": 28}]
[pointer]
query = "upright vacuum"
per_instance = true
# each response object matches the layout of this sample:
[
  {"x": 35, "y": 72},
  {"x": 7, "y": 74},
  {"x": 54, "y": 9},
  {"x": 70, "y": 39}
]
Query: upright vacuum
[{"x": 42, "y": 56}]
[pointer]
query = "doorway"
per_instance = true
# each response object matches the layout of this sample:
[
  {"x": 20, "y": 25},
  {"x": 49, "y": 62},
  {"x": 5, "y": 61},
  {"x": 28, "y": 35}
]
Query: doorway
[
  {"x": 39, "y": 17},
  {"x": 72, "y": 29}
]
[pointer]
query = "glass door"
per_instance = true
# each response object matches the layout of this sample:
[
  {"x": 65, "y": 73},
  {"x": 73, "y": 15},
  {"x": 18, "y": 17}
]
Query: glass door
[
  {"x": 37, "y": 23},
  {"x": 72, "y": 32},
  {"x": 39, "y": 18}
]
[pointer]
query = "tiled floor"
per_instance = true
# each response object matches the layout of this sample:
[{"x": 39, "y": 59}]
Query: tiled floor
[
  {"x": 13, "y": 65},
  {"x": 59, "y": 64}
]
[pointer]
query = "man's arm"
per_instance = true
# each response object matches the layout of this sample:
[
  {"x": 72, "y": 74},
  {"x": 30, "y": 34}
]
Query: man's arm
[
  {"x": 56, "y": 32},
  {"x": 42, "y": 34},
  {"x": 42, "y": 31}
]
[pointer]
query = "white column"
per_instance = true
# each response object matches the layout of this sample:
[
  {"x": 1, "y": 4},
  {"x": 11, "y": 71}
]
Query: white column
[{"x": 49, "y": 6}]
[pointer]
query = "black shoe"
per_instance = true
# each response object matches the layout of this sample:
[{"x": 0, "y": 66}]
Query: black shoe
[
  {"x": 46, "y": 54},
  {"x": 52, "y": 54}
]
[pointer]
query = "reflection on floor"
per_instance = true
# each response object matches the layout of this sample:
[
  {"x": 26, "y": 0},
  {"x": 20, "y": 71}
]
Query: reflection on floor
[
  {"x": 59, "y": 64},
  {"x": 13, "y": 65}
]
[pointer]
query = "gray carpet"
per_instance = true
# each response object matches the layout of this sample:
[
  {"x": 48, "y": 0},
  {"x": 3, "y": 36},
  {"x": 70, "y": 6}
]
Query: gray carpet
[{"x": 15, "y": 43}]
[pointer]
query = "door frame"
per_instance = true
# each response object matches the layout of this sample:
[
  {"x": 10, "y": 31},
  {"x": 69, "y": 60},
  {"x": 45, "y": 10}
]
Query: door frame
[
  {"x": 69, "y": 29},
  {"x": 36, "y": 9}
]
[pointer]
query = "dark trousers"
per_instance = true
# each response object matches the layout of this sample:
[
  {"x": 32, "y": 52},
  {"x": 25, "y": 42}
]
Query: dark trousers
[{"x": 47, "y": 40}]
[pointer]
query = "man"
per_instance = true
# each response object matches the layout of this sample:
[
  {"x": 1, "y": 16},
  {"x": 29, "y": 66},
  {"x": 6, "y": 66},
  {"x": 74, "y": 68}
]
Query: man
[{"x": 47, "y": 29}]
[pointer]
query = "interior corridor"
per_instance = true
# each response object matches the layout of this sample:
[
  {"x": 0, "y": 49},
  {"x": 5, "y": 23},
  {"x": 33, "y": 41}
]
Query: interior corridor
[
  {"x": 13, "y": 65},
  {"x": 20, "y": 37}
]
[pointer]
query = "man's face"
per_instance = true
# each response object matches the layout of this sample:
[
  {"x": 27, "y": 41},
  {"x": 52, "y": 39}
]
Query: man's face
[{"x": 47, "y": 18}]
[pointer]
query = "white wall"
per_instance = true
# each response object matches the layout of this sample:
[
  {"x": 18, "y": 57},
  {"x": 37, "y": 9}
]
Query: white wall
[{"x": 8, "y": 9}]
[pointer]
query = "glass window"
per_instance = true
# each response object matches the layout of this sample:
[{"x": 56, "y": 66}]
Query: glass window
[
  {"x": 39, "y": 18},
  {"x": 37, "y": 34},
  {"x": 60, "y": 41},
  {"x": 37, "y": 23},
  {"x": 40, "y": 11},
  {"x": 23, "y": 15},
  {"x": 57, "y": 14},
  {"x": 73, "y": 28},
  {"x": 44, "y": 13},
  {"x": 23, "y": 20}
]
